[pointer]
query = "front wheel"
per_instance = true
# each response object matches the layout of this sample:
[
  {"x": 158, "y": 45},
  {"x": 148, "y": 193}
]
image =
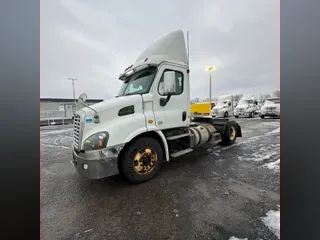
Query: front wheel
[
  {"x": 225, "y": 114},
  {"x": 236, "y": 116},
  {"x": 142, "y": 160},
  {"x": 261, "y": 116}
]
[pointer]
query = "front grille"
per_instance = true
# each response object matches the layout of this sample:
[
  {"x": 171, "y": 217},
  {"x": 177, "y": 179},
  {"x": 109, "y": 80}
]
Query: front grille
[
  {"x": 240, "y": 109},
  {"x": 270, "y": 108},
  {"x": 76, "y": 131}
]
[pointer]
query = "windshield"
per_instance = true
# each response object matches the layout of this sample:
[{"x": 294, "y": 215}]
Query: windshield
[
  {"x": 271, "y": 102},
  {"x": 222, "y": 103},
  {"x": 138, "y": 83},
  {"x": 245, "y": 102}
]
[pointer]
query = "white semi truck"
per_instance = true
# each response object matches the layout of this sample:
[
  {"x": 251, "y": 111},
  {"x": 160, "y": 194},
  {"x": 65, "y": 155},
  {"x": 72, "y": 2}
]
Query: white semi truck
[
  {"x": 247, "y": 106},
  {"x": 224, "y": 107},
  {"x": 149, "y": 121},
  {"x": 270, "y": 108}
]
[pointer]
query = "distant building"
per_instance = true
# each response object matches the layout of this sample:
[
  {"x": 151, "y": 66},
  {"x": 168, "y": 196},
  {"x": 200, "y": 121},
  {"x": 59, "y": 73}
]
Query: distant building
[{"x": 61, "y": 107}]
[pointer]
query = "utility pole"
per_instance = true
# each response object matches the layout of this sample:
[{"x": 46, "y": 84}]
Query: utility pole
[
  {"x": 210, "y": 69},
  {"x": 74, "y": 93},
  {"x": 210, "y": 89}
]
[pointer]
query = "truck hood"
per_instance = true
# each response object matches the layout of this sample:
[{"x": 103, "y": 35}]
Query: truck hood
[
  {"x": 242, "y": 106},
  {"x": 114, "y": 104},
  {"x": 270, "y": 105},
  {"x": 218, "y": 107}
]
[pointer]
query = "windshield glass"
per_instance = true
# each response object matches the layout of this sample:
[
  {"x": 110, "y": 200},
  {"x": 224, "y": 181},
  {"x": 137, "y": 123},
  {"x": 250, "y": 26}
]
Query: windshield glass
[
  {"x": 222, "y": 103},
  {"x": 245, "y": 102},
  {"x": 138, "y": 83},
  {"x": 271, "y": 102}
]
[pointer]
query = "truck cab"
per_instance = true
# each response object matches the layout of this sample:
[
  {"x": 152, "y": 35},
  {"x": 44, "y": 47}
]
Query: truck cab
[
  {"x": 148, "y": 122},
  {"x": 223, "y": 108},
  {"x": 247, "y": 106},
  {"x": 270, "y": 108}
]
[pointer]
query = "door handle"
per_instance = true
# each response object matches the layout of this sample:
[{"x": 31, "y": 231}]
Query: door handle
[{"x": 184, "y": 116}]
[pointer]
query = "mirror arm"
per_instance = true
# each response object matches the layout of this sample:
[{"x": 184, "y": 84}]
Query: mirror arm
[{"x": 164, "y": 101}]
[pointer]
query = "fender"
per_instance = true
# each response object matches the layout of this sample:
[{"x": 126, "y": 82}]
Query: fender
[
  {"x": 163, "y": 138},
  {"x": 164, "y": 143},
  {"x": 151, "y": 129},
  {"x": 134, "y": 134}
]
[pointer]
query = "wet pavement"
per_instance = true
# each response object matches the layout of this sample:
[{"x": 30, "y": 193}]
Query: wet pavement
[{"x": 218, "y": 193}]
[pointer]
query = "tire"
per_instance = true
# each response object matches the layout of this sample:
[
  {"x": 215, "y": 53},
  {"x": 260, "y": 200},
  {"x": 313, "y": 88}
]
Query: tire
[
  {"x": 145, "y": 147},
  {"x": 251, "y": 115},
  {"x": 236, "y": 116},
  {"x": 225, "y": 114},
  {"x": 262, "y": 116},
  {"x": 230, "y": 135}
]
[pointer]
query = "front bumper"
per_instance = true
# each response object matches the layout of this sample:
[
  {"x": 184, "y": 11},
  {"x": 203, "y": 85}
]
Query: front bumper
[
  {"x": 241, "y": 114},
  {"x": 270, "y": 114},
  {"x": 218, "y": 114},
  {"x": 97, "y": 164}
]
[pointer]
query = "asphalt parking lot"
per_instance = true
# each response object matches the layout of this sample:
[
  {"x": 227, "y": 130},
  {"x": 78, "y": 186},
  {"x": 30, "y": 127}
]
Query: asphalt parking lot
[{"x": 221, "y": 193}]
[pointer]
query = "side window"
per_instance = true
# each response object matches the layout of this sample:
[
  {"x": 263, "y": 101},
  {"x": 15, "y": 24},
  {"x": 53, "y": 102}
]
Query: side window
[{"x": 179, "y": 83}]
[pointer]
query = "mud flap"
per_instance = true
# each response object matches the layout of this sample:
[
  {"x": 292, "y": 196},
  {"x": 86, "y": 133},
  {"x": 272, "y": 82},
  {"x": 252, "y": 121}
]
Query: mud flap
[{"x": 239, "y": 132}]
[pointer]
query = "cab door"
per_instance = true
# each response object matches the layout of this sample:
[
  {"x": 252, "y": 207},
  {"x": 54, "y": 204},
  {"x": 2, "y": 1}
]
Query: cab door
[{"x": 176, "y": 112}]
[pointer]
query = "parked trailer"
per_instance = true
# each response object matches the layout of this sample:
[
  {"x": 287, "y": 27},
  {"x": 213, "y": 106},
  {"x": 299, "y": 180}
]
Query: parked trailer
[
  {"x": 149, "y": 121},
  {"x": 201, "y": 108}
]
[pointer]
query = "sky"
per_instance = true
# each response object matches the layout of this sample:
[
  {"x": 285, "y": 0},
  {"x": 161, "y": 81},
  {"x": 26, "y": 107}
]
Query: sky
[{"x": 95, "y": 40}]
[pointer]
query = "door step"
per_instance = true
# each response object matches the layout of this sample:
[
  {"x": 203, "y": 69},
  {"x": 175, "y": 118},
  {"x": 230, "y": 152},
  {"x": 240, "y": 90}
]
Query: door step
[
  {"x": 180, "y": 153},
  {"x": 178, "y": 136}
]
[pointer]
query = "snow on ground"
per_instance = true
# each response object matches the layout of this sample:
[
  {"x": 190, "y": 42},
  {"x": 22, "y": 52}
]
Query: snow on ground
[
  {"x": 273, "y": 165},
  {"x": 262, "y": 154},
  {"x": 45, "y": 133},
  {"x": 275, "y": 124},
  {"x": 234, "y": 238},
  {"x": 272, "y": 221}
]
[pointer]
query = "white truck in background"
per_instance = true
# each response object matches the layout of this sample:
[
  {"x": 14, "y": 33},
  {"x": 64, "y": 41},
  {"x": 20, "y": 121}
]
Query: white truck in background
[
  {"x": 247, "y": 106},
  {"x": 149, "y": 121},
  {"x": 270, "y": 108},
  {"x": 223, "y": 107}
]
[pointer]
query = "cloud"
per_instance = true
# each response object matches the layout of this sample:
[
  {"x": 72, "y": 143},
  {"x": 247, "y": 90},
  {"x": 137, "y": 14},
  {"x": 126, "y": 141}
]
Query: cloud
[{"x": 94, "y": 41}]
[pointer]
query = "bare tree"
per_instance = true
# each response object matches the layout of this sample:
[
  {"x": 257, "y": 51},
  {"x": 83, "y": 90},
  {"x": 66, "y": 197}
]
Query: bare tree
[
  {"x": 195, "y": 100},
  {"x": 276, "y": 94},
  {"x": 237, "y": 97}
]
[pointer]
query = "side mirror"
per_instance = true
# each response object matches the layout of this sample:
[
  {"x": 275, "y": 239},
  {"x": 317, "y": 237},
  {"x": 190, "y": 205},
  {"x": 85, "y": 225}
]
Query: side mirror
[
  {"x": 169, "y": 82},
  {"x": 82, "y": 98}
]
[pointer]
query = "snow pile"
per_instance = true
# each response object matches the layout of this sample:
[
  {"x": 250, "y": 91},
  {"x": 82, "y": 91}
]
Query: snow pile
[
  {"x": 273, "y": 165},
  {"x": 272, "y": 221},
  {"x": 234, "y": 238}
]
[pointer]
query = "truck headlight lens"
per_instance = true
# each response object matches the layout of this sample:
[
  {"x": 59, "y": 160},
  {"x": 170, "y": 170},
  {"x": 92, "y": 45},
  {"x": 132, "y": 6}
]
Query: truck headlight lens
[{"x": 96, "y": 141}]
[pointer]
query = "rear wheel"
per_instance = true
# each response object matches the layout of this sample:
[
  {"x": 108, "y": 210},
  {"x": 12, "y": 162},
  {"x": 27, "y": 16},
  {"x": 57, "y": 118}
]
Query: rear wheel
[
  {"x": 142, "y": 160},
  {"x": 230, "y": 135},
  {"x": 225, "y": 114},
  {"x": 261, "y": 116},
  {"x": 251, "y": 114},
  {"x": 236, "y": 116}
]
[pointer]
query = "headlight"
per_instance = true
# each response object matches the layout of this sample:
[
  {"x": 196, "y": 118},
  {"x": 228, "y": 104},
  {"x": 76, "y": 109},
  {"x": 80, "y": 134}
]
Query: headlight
[{"x": 96, "y": 141}]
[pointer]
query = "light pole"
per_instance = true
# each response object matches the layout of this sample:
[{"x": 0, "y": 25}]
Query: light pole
[
  {"x": 74, "y": 93},
  {"x": 210, "y": 69}
]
